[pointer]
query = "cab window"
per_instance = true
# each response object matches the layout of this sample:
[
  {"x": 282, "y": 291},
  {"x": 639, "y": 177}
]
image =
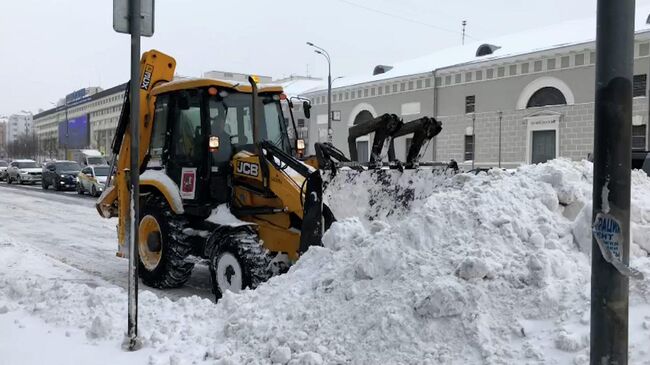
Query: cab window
[
  {"x": 187, "y": 126},
  {"x": 159, "y": 128}
]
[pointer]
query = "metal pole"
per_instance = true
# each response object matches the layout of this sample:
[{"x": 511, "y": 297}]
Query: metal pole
[
  {"x": 611, "y": 185},
  {"x": 329, "y": 100},
  {"x": 500, "y": 118},
  {"x": 132, "y": 221},
  {"x": 65, "y": 103}
]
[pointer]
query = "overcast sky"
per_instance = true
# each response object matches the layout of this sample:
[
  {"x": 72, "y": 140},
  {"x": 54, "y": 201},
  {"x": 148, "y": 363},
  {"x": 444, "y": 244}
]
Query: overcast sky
[{"x": 50, "y": 48}]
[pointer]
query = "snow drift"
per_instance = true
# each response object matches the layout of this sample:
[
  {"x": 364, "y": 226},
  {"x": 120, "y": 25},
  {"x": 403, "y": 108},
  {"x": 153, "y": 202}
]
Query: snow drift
[{"x": 491, "y": 268}]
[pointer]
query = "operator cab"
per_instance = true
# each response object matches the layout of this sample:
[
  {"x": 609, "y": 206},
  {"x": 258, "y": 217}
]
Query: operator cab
[{"x": 197, "y": 131}]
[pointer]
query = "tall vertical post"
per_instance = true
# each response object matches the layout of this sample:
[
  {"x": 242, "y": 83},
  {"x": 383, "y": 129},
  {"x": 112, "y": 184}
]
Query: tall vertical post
[
  {"x": 132, "y": 221},
  {"x": 473, "y": 139},
  {"x": 67, "y": 124},
  {"x": 611, "y": 185},
  {"x": 500, "y": 119},
  {"x": 329, "y": 101}
]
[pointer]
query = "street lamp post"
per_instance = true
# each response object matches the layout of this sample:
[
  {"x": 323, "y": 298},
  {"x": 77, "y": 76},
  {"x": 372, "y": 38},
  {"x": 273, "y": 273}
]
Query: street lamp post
[{"x": 324, "y": 53}]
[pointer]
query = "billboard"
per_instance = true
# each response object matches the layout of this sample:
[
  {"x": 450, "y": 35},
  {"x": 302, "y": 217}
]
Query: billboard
[{"x": 75, "y": 133}]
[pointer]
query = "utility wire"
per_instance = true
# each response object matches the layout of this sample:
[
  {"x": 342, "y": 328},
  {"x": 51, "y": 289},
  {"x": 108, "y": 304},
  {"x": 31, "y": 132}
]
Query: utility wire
[{"x": 415, "y": 21}]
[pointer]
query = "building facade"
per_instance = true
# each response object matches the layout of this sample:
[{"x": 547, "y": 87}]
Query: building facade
[
  {"x": 523, "y": 105},
  {"x": 3, "y": 137},
  {"x": 98, "y": 109},
  {"x": 18, "y": 125}
]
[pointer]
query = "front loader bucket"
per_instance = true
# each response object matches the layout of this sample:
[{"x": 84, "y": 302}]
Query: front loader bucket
[
  {"x": 312, "y": 220},
  {"x": 376, "y": 194}
]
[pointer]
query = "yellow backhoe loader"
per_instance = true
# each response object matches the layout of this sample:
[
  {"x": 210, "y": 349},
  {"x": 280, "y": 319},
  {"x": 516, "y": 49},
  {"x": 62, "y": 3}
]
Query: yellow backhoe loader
[{"x": 218, "y": 180}]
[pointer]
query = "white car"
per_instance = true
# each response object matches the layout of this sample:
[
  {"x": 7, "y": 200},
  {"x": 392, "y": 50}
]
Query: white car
[
  {"x": 92, "y": 179},
  {"x": 24, "y": 171},
  {"x": 3, "y": 169}
]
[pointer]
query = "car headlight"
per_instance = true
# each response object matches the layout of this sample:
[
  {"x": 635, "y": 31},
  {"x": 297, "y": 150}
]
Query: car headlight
[{"x": 62, "y": 175}]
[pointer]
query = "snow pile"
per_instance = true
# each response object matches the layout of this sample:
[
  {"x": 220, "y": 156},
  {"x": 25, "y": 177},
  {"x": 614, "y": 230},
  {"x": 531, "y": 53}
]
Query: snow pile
[{"x": 478, "y": 269}]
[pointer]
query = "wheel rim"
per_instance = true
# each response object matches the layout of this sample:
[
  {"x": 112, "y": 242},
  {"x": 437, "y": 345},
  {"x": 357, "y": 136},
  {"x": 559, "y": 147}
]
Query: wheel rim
[
  {"x": 150, "y": 242},
  {"x": 229, "y": 273}
]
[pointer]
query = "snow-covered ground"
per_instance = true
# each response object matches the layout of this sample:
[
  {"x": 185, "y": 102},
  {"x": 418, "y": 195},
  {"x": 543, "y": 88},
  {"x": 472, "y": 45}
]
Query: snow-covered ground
[{"x": 486, "y": 269}]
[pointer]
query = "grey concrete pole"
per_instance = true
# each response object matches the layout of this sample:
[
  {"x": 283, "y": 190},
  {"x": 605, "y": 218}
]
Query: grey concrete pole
[{"x": 611, "y": 185}]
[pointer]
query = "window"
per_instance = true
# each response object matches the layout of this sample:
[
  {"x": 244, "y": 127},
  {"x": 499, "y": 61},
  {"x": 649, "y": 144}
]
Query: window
[
  {"x": 470, "y": 103},
  {"x": 418, "y": 84},
  {"x": 402, "y": 86},
  {"x": 579, "y": 59},
  {"x": 448, "y": 80},
  {"x": 365, "y": 93},
  {"x": 358, "y": 93},
  {"x": 537, "y": 66},
  {"x": 387, "y": 89},
  {"x": 489, "y": 74},
  {"x": 550, "y": 64},
  {"x": 427, "y": 82},
  {"x": 347, "y": 95},
  {"x": 469, "y": 148},
  {"x": 644, "y": 49},
  {"x": 564, "y": 62},
  {"x": 410, "y": 85},
  {"x": 638, "y": 137},
  {"x": 501, "y": 71},
  {"x": 512, "y": 70},
  {"x": 372, "y": 92},
  {"x": 639, "y": 87},
  {"x": 457, "y": 78},
  {"x": 479, "y": 75},
  {"x": 187, "y": 143},
  {"x": 380, "y": 90},
  {"x": 546, "y": 96},
  {"x": 468, "y": 76},
  {"x": 394, "y": 88},
  {"x": 524, "y": 68}
]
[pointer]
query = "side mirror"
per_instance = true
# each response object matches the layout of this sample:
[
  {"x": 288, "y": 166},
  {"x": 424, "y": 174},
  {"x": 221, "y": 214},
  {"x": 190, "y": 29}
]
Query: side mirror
[{"x": 306, "y": 107}]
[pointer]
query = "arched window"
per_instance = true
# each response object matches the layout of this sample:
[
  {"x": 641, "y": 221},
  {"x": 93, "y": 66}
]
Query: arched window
[
  {"x": 546, "y": 96},
  {"x": 363, "y": 116}
]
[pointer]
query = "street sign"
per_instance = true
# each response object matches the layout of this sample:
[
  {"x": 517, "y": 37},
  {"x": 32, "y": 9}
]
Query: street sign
[
  {"x": 121, "y": 17},
  {"x": 336, "y": 115}
]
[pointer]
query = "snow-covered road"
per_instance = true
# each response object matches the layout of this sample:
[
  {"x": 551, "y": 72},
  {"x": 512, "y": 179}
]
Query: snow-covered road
[
  {"x": 491, "y": 268},
  {"x": 67, "y": 228}
]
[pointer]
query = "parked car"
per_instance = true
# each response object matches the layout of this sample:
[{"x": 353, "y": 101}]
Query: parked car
[
  {"x": 61, "y": 175},
  {"x": 3, "y": 169},
  {"x": 92, "y": 179},
  {"x": 23, "y": 171}
]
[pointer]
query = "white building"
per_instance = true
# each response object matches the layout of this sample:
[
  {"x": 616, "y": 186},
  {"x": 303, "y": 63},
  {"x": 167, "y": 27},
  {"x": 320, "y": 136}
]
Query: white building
[
  {"x": 102, "y": 109},
  {"x": 18, "y": 125}
]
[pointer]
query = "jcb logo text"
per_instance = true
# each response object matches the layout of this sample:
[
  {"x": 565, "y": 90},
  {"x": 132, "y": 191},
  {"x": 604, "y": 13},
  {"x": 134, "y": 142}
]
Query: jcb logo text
[{"x": 247, "y": 168}]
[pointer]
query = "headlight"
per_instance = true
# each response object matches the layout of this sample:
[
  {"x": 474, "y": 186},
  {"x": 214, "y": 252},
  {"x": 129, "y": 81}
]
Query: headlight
[{"x": 62, "y": 175}]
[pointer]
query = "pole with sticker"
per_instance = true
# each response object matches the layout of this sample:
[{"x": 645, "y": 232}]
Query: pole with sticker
[{"x": 610, "y": 253}]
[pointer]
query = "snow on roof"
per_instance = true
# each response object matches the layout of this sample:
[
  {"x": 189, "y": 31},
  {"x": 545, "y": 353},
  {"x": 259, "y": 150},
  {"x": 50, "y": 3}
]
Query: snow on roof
[
  {"x": 301, "y": 86},
  {"x": 557, "y": 35}
]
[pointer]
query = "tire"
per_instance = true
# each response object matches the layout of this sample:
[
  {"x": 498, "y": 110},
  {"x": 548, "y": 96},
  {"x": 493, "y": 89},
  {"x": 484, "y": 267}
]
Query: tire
[
  {"x": 19, "y": 180},
  {"x": 80, "y": 190},
  {"x": 163, "y": 247},
  {"x": 56, "y": 185},
  {"x": 9, "y": 180},
  {"x": 93, "y": 191},
  {"x": 238, "y": 261}
]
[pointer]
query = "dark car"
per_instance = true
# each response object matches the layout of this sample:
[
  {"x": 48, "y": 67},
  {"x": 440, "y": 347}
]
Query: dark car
[{"x": 62, "y": 175}]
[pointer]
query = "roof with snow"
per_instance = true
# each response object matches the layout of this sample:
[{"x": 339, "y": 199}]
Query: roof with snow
[{"x": 553, "y": 36}]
